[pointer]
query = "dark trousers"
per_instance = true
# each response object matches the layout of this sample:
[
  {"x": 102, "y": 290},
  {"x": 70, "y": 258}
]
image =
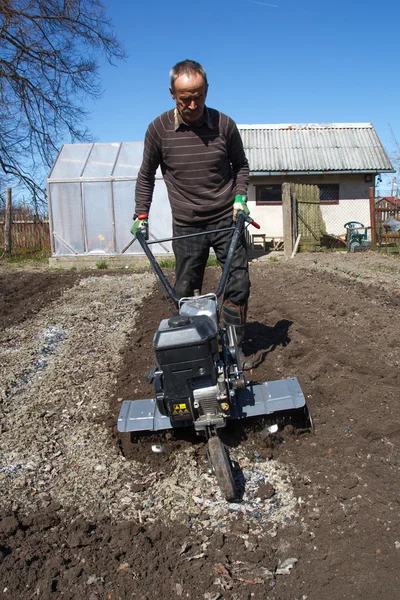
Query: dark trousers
[{"x": 191, "y": 256}]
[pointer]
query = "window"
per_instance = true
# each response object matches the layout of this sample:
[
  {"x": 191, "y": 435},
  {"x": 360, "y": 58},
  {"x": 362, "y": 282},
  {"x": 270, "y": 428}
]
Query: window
[
  {"x": 272, "y": 194},
  {"x": 268, "y": 194},
  {"x": 329, "y": 193}
]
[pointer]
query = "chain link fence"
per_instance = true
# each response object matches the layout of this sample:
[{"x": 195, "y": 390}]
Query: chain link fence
[{"x": 322, "y": 221}]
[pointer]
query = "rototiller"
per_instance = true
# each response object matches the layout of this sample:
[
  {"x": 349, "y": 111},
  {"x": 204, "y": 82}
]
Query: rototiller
[{"x": 198, "y": 377}]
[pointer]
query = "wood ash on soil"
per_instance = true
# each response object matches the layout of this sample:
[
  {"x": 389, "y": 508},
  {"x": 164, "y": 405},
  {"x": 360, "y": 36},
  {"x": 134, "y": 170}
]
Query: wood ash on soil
[
  {"x": 58, "y": 371},
  {"x": 191, "y": 493}
]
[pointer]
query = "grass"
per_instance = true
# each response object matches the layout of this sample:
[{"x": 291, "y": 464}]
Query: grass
[
  {"x": 305, "y": 248},
  {"x": 212, "y": 262},
  {"x": 337, "y": 250},
  {"x": 166, "y": 263},
  {"x": 169, "y": 263},
  {"x": 392, "y": 250},
  {"x": 33, "y": 255},
  {"x": 18, "y": 259},
  {"x": 347, "y": 272},
  {"x": 102, "y": 264}
]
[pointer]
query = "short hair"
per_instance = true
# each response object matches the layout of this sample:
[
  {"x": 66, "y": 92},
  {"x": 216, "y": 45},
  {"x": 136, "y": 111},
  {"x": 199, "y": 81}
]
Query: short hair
[{"x": 187, "y": 67}]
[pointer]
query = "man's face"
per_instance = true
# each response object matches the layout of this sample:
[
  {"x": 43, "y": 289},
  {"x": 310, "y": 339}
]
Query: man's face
[{"x": 189, "y": 93}]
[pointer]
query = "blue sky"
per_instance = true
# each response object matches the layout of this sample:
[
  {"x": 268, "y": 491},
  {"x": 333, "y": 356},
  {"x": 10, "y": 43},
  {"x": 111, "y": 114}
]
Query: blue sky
[{"x": 283, "y": 61}]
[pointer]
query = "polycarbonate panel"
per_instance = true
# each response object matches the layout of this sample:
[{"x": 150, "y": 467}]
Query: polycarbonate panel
[
  {"x": 65, "y": 202},
  {"x": 101, "y": 161},
  {"x": 129, "y": 160},
  {"x": 70, "y": 161},
  {"x": 98, "y": 217},
  {"x": 124, "y": 203},
  {"x": 160, "y": 221}
]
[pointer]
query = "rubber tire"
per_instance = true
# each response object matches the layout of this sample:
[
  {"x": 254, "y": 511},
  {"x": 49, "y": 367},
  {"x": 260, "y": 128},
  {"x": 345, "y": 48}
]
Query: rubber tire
[
  {"x": 309, "y": 419},
  {"x": 221, "y": 466}
]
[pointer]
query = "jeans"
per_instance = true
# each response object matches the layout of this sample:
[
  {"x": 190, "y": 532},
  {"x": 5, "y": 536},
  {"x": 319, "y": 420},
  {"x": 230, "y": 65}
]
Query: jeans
[{"x": 191, "y": 256}]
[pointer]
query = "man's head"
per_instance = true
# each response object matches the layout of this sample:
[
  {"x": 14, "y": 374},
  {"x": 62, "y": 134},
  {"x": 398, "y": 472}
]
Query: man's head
[{"x": 189, "y": 89}]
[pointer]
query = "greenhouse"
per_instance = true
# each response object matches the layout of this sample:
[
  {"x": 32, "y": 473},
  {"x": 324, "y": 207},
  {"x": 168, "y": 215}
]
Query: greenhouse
[{"x": 91, "y": 190}]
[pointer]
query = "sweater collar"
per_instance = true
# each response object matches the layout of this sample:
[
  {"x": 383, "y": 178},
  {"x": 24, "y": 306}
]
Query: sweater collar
[{"x": 204, "y": 120}]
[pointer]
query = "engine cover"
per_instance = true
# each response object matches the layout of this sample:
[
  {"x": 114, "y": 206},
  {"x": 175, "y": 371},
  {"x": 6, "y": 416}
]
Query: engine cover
[{"x": 186, "y": 350}]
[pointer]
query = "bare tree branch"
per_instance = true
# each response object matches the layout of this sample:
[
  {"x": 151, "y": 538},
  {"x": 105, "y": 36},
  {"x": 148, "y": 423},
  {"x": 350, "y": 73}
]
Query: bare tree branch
[{"x": 48, "y": 65}]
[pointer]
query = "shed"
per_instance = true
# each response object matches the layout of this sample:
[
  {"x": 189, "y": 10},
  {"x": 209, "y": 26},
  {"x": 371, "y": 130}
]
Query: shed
[{"x": 343, "y": 159}]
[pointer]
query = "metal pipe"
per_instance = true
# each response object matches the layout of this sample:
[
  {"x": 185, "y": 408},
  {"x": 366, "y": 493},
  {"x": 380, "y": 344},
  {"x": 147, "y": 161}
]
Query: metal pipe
[
  {"x": 237, "y": 231},
  {"x": 59, "y": 238},
  {"x": 114, "y": 232},
  {"x": 188, "y": 235},
  {"x": 51, "y": 225},
  {"x": 95, "y": 179},
  {"x": 83, "y": 221},
  {"x": 86, "y": 161},
  {"x": 142, "y": 241},
  {"x": 225, "y": 272},
  {"x": 116, "y": 159},
  {"x": 372, "y": 217},
  {"x": 178, "y": 237},
  {"x": 129, "y": 244}
]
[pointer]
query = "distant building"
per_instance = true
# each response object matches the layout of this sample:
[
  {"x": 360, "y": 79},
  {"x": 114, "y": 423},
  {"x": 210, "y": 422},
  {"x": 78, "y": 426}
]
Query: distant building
[{"x": 388, "y": 202}]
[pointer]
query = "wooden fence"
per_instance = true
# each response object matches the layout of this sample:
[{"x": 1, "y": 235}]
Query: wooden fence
[
  {"x": 384, "y": 209},
  {"x": 27, "y": 236}
]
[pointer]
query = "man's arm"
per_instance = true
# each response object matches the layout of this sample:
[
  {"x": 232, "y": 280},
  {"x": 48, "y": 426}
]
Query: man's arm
[
  {"x": 237, "y": 157},
  {"x": 147, "y": 172}
]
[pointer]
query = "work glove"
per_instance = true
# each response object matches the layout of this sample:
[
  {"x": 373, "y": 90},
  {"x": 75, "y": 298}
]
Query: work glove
[
  {"x": 138, "y": 223},
  {"x": 240, "y": 204}
]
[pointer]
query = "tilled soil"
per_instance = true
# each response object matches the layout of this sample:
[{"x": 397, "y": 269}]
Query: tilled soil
[{"x": 88, "y": 513}]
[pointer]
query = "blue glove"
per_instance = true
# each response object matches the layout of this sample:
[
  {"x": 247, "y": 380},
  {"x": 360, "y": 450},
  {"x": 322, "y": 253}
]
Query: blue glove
[
  {"x": 240, "y": 205},
  {"x": 138, "y": 223}
]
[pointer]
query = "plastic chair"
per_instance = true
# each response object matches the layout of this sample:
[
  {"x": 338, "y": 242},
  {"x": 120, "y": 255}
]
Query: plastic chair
[{"x": 354, "y": 237}]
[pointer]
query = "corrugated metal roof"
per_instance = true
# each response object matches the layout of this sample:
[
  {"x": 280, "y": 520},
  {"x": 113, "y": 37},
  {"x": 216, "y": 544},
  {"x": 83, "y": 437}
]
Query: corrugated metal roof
[{"x": 314, "y": 148}]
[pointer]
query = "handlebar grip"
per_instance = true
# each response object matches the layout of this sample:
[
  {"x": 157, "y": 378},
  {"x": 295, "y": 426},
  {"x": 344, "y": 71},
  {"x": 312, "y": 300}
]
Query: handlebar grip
[{"x": 252, "y": 222}]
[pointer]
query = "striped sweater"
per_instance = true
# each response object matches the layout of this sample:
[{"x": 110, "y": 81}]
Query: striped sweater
[{"x": 203, "y": 166}]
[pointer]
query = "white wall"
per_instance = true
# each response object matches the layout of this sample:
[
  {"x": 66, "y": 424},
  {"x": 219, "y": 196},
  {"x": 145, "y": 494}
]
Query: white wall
[{"x": 353, "y": 203}]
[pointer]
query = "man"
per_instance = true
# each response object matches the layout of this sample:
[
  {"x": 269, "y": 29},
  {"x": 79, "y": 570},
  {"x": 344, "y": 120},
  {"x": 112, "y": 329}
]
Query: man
[{"x": 206, "y": 173}]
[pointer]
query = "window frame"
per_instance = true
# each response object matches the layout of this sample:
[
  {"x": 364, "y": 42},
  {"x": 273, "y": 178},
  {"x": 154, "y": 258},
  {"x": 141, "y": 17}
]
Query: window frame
[
  {"x": 259, "y": 202},
  {"x": 326, "y": 186},
  {"x": 267, "y": 202}
]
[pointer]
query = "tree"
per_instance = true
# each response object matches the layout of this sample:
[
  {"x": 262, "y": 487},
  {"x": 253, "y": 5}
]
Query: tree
[{"x": 49, "y": 52}]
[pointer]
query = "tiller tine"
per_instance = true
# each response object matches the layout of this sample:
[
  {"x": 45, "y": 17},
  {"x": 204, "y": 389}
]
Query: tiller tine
[{"x": 260, "y": 399}]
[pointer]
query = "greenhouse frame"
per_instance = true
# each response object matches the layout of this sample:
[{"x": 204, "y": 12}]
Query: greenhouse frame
[{"x": 91, "y": 191}]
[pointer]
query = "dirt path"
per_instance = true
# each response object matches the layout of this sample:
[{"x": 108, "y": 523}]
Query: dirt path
[{"x": 87, "y": 514}]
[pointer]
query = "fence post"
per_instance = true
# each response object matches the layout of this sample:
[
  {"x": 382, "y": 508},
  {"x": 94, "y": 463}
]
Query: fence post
[
  {"x": 287, "y": 220},
  {"x": 372, "y": 217},
  {"x": 7, "y": 223}
]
